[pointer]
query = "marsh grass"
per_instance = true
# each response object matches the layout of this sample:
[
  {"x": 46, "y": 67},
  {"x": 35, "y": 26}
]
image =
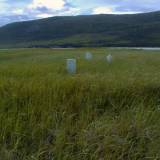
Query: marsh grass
[{"x": 104, "y": 112}]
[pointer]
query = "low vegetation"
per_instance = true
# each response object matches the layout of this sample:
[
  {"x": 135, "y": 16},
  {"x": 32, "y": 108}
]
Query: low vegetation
[{"x": 104, "y": 112}]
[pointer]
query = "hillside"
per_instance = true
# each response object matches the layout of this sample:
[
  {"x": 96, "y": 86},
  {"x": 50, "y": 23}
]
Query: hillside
[{"x": 83, "y": 31}]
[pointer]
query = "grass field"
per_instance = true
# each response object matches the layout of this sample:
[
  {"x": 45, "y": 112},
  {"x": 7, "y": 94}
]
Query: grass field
[{"x": 104, "y": 112}]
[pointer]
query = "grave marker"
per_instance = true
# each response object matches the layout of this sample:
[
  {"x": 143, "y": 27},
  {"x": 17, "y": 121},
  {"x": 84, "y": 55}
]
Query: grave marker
[
  {"x": 71, "y": 66},
  {"x": 88, "y": 56},
  {"x": 109, "y": 58}
]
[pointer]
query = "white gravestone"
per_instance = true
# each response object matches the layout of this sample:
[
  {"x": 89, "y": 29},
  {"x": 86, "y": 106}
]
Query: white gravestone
[
  {"x": 109, "y": 58},
  {"x": 71, "y": 66},
  {"x": 88, "y": 56}
]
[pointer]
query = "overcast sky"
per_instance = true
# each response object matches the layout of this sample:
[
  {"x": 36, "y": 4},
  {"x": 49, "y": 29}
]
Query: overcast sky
[{"x": 20, "y": 10}]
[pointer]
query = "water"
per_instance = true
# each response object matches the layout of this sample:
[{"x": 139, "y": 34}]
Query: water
[
  {"x": 151, "y": 49},
  {"x": 140, "y": 48}
]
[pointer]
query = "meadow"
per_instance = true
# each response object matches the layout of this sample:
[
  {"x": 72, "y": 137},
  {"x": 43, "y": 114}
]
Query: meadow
[{"x": 103, "y": 112}]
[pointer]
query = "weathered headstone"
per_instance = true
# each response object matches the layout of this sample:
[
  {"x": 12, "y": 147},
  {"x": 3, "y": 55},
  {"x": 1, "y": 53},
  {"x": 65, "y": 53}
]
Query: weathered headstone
[
  {"x": 109, "y": 58},
  {"x": 71, "y": 66},
  {"x": 88, "y": 56}
]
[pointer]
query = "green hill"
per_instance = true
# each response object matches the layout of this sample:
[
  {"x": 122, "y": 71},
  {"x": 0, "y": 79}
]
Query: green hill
[{"x": 83, "y": 31}]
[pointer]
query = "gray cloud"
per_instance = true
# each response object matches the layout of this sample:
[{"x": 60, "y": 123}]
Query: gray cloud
[
  {"x": 133, "y": 5},
  {"x": 13, "y": 18},
  {"x": 27, "y": 13},
  {"x": 12, "y": 11}
]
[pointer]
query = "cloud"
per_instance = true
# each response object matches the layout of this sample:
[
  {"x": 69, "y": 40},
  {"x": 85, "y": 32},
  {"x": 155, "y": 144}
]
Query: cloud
[
  {"x": 10, "y": 18},
  {"x": 103, "y": 10},
  {"x": 18, "y": 11},
  {"x": 51, "y": 4},
  {"x": 111, "y": 10},
  {"x": 126, "y": 6},
  {"x": 49, "y": 9},
  {"x": 36, "y": 9},
  {"x": 21, "y": 10},
  {"x": 44, "y": 15}
]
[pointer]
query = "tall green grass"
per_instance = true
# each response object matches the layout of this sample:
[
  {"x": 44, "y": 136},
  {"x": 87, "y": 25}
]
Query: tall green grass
[{"x": 104, "y": 112}]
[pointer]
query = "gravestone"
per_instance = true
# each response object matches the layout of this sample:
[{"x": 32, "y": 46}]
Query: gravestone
[
  {"x": 71, "y": 66},
  {"x": 88, "y": 56},
  {"x": 109, "y": 58}
]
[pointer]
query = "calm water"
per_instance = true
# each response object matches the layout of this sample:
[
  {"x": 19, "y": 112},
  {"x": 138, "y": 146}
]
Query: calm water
[{"x": 140, "y": 48}]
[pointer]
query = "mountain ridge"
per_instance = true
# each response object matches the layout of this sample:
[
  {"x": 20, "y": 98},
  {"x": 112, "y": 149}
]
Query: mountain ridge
[{"x": 135, "y": 30}]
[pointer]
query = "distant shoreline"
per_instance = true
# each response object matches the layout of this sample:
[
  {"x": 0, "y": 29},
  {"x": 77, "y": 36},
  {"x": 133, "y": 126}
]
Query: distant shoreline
[
  {"x": 138, "y": 48},
  {"x": 59, "y": 48}
]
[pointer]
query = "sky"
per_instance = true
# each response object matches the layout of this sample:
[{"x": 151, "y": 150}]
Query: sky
[{"x": 22, "y": 10}]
